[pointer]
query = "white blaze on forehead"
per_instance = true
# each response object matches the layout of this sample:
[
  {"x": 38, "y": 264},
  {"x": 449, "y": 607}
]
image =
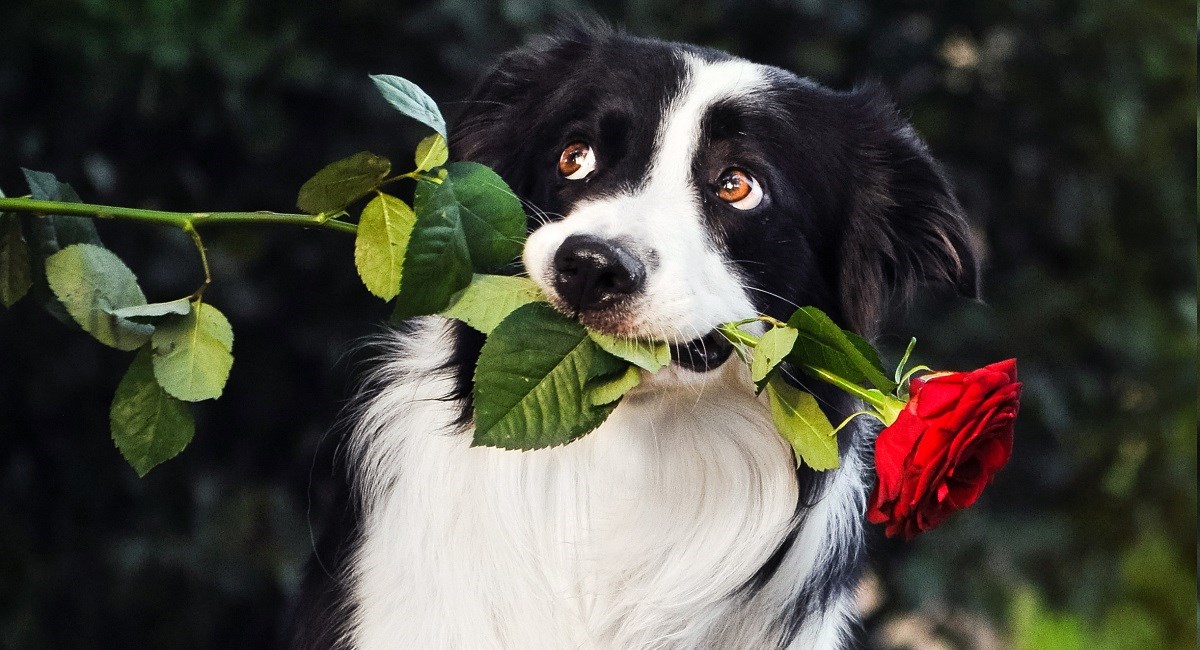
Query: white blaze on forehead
[
  {"x": 695, "y": 287},
  {"x": 679, "y": 134},
  {"x": 691, "y": 286}
]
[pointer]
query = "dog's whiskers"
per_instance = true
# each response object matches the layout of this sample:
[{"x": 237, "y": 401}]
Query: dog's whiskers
[{"x": 771, "y": 294}]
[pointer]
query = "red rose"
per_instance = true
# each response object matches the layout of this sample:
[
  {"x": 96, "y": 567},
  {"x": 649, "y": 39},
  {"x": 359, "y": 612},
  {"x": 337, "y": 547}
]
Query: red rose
[{"x": 955, "y": 432}]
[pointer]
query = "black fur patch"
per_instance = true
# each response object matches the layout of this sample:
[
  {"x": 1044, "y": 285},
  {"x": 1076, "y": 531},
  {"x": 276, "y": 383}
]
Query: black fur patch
[{"x": 585, "y": 82}]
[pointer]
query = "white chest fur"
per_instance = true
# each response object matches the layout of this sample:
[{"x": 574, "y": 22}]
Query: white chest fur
[{"x": 636, "y": 536}]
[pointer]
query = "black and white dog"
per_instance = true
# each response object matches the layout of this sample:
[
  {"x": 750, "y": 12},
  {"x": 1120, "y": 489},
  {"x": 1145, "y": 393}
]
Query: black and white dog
[{"x": 672, "y": 188}]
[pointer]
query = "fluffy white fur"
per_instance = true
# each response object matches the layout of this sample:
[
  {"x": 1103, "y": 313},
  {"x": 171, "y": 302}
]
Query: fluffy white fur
[{"x": 636, "y": 536}]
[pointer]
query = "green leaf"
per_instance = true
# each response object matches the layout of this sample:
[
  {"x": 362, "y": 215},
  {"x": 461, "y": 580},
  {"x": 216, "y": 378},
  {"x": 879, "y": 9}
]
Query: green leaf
[
  {"x": 148, "y": 425},
  {"x": 383, "y": 234},
  {"x": 466, "y": 219},
  {"x": 193, "y": 354},
  {"x": 489, "y": 213},
  {"x": 650, "y": 355},
  {"x": 46, "y": 235},
  {"x": 431, "y": 152},
  {"x": 155, "y": 311},
  {"x": 437, "y": 262},
  {"x": 774, "y": 345},
  {"x": 67, "y": 229},
  {"x": 866, "y": 349},
  {"x": 802, "y": 423},
  {"x": 409, "y": 99},
  {"x": 489, "y": 299},
  {"x": 607, "y": 390},
  {"x": 822, "y": 344},
  {"x": 340, "y": 183},
  {"x": 530, "y": 382},
  {"x": 16, "y": 274},
  {"x": 91, "y": 282},
  {"x": 604, "y": 365}
]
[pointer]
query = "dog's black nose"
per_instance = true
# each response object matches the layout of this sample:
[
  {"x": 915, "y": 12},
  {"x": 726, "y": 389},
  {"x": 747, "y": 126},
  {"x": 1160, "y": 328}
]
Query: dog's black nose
[{"x": 592, "y": 273}]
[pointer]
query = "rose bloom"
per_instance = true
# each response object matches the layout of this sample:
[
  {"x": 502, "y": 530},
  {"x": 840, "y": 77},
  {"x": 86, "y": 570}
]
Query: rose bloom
[{"x": 952, "y": 436}]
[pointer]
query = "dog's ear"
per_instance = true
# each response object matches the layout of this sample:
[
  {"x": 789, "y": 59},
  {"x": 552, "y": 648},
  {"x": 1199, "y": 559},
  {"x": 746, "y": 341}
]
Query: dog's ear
[
  {"x": 499, "y": 116},
  {"x": 906, "y": 228}
]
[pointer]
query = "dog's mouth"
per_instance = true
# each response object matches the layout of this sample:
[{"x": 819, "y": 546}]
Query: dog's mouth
[{"x": 703, "y": 354}]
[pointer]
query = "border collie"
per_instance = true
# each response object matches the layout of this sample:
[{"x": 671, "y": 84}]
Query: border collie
[{"x": 672, "y": 188}]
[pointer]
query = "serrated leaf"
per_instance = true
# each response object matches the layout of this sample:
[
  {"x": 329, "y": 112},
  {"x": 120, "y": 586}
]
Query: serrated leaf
[
  {"x": 432, "y": 152},
  {"x": 774, "y": 345},
  {"x": 530, "y": 382},
  {"x": 155, "y": 311},
  {"x": 607, "y": 390},
  {"x": 437, "y": 262},
  {"x": 192, "y": 354},
  {"x": 491, "y": 216},
  {"x": 383, "y": 234},
  {"x": 650, "y": 355},
  {"x": 91, "y": 282},
  {"x": 467, "y": 219},
  {"x": 489, "y": 299},
  {"x": 822, "y": 344},
  {"x": 409, "y": 99},
  {"x": 16, "y": 273},
  {"x": 46, "y": 235},
  {"x": 340, "y": 183},
  {"x": 148, "y": 425},
  {"x": 800, "y": 420}
]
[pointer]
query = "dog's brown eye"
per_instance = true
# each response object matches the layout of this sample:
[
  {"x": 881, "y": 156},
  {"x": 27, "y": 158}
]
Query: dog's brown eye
[
  {"x": 577, "y": 161},
  {"x": 739, "y": 189}
]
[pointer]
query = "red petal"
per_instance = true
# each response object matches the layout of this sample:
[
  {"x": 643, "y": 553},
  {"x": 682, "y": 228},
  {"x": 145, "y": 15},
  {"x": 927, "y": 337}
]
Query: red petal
[
  {"x": 893, "y": 447},
  {"x": 938, "y": 396}
]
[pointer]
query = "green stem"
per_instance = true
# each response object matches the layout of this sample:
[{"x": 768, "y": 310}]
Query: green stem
[
  {"x": 887, "y": 407},
  {"x": 177, "y": 219},
  {"x": 413, "y": 175},
  {"x": 734, "y": 334},
  {"x": 199, "y": 243}
]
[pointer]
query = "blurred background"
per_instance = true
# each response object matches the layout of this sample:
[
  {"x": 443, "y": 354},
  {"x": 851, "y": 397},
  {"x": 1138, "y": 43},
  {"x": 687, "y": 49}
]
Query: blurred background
[{"x": 1067, "y": 127}]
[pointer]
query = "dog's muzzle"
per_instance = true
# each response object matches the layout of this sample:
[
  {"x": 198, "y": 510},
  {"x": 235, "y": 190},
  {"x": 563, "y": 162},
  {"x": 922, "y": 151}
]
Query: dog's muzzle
[
  {"x": 595, "y": 277},
  {"x": 591, "y": 274}
]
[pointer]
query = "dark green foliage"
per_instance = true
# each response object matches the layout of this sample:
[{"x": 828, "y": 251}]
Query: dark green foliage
[
  {"x": 491, "y": 215},
  {"x": 467, "y": 219},
  {"x": 340, "y": 183},
  {"x": 48, "y": 234},
  {"x": 148, "y": 425},
  {"x": 823, "y": 344},
  {"x": 16, "y": 273},
  {"x": 531, "y": 381},
  {"x": 437, "y": 261}
]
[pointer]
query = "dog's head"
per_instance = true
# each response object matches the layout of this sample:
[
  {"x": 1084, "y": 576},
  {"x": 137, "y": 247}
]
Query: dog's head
[{"x": 674, "y": 188}]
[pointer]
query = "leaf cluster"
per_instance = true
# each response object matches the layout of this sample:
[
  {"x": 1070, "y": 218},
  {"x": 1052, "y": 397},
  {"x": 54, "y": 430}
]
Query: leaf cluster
[
  {"x": 813, "y": 343},
  {"x": 541, "y": 380},
  {"x": 184, "y": 346}
]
